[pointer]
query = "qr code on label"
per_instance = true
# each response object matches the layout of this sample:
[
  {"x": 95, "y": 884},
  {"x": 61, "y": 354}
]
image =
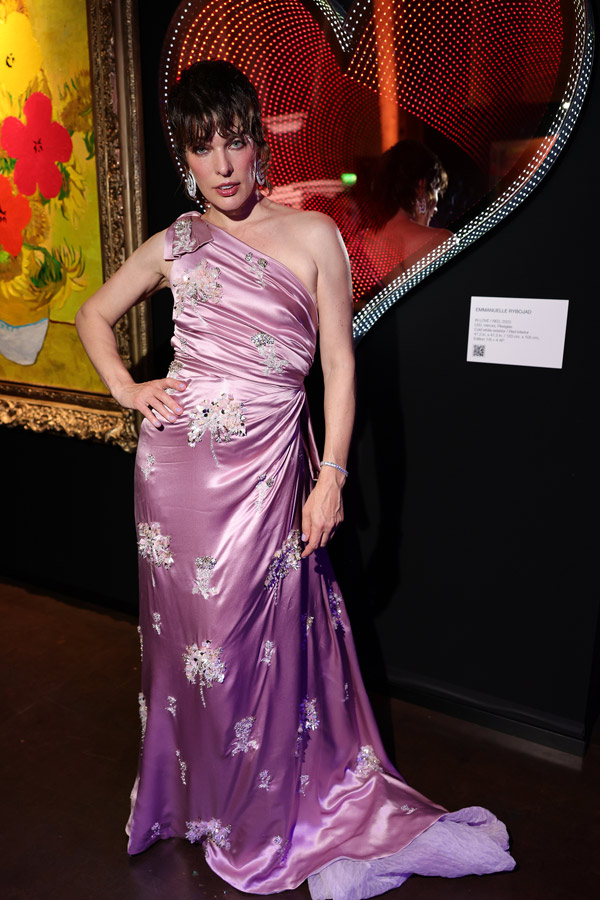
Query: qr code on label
[{"x": 478, "y": 349}]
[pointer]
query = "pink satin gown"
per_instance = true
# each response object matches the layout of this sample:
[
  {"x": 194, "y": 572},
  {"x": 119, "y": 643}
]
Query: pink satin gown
[{"x": 258, "y": 741}]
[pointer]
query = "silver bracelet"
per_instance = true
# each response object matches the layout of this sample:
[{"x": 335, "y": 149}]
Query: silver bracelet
[{"x": 334, "y": 466}]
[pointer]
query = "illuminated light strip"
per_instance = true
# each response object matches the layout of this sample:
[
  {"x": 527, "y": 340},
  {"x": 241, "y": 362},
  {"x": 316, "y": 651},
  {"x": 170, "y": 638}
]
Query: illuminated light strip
[
  {"x": 578, "y": 83},
  {"x": 250, "y": 31}
]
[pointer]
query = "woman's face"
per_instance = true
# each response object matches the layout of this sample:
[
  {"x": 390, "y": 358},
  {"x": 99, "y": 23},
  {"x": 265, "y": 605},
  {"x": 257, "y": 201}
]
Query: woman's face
[{"x": 224, "y": 169}]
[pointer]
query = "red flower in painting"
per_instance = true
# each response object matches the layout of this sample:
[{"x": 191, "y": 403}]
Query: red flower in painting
[
  {"x": 15, "y": 213},
  {"x": 37, "y": 147}
]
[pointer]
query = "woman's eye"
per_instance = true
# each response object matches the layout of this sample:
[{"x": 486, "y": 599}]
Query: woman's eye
[{"x": 237, "y": 143}]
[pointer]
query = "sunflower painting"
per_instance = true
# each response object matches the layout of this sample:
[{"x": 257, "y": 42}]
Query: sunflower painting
[{"x": 50, "y": 249}]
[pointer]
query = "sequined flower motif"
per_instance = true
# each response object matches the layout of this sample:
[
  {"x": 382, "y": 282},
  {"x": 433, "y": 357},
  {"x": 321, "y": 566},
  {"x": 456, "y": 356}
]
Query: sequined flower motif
[
  {"x": 156, "y": 830},
  {"x": 156, "y": 622},
  {"x": 212, "y": 832},
  {"x": 306, "y": 623},
  {"x": 150, "y": 460},
  {"x": 175, "y": 368},
  {"x": 309, "y": 721},
  {"x": 223, "y": 418},
  {"x": 335, "y": 607},
  {"x": 265, "y": 344},
  {"x": 198, "y": 285},
  {"x": 203, "y": 666},
  {"x": 263, "y": 484},
  {"x": 154, "y": 546},
  {"x": 265, "y": 780},
  {"x": 204, "y": 568},
  {"x": 143, "y": 714},
  {"x": 172, "y": 706},
  {"x": 173, "y": 372},
  {"x": 409, "y": 810},
  {"x": 243, "y": 742},
  {"x": 183, "y": 241},
  {"x": 258, "y": 266},
  {"x": 282, "y": 848},
  {"x": 366, "y": 761},
  {"x": 268, "y": 652},
  {"x": 288, "y": 557},
  {"x": 303, "y": 784},
  {"x": 141, "y": 637},
  {"x": 182, "y": 767}
]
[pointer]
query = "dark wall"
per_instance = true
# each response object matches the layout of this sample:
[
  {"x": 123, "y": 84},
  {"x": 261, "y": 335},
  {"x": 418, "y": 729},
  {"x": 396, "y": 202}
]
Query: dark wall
[{"x": 466, "y": 558}]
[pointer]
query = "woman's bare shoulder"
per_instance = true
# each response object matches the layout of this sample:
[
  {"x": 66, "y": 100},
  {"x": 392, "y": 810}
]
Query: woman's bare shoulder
[{"x": 302, "y": 221}]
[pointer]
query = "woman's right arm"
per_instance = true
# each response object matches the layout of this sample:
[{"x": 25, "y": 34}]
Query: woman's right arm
[{"x": 140, "y": 275}]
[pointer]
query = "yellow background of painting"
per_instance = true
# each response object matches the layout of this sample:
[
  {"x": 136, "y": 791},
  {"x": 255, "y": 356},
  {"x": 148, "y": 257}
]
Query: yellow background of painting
[{"x": 60, "y": 27}]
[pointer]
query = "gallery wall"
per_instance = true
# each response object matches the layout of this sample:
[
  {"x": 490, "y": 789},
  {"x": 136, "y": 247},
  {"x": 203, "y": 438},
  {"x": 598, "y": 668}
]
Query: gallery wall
[{"x": 466, "y": 558}]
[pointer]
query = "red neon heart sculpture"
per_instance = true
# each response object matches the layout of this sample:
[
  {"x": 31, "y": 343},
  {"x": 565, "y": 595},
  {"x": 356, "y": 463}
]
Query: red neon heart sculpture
[{"x": 480, "y": 76}]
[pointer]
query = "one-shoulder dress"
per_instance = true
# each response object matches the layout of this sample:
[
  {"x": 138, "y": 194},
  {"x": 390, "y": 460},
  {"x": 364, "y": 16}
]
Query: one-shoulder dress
[{"x": 258, "y": 741}]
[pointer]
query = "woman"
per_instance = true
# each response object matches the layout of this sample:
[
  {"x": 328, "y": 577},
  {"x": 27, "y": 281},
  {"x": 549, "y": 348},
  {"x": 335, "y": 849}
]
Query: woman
[
  {"x": 404, "y": 192},
  {"x": 257, "y": 738}
]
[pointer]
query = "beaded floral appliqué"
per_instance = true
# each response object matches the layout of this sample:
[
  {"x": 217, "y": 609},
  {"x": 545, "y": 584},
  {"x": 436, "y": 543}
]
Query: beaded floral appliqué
[
  {"x": 288, "y": 557},
  {"x": 141, "y": 637},
  {"x": 282, "y": 848},
  {"x": 204, "y": 568},
  {"x": 203, "y": 666},
  {"x": 198, "y": 285},
  {"x": 223, "y": 418},
  {"x": 183, "y": 241},
  {"x": 156, "y": 623},
  {"x": 265, "y": 780},
  {"x": 263, "y": 484},
  {"x": 307, "y": 622},
  {"x": 172, "y": 706},
  {"x": 335, "y": 607},
  {"x": 309, "y": 721},
  {"x": 366, "y": 762},
  {"x": 154, "y": 546},
  {"x": 156, "y": 830},
  {"x": 143, "y": 715},
  {"x": 303, "y": 784},
  {"x": 212, "y": 832},
  {"x": 265, "y": 344},
  {"x": 173, "y": 372},
  {"x": 182, "y": 767},
  {"x": 243, "y": 742},
  {"x": 409, "y": 810},
  {"x": 150, "y": 460},
  {"x": 258, "y": 266},
  {"x": 174, "y": 369},
  {"x": 268, "y": 652}
]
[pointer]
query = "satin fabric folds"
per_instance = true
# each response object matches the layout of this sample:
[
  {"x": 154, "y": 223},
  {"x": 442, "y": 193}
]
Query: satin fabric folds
[{"x": 258, "y": 741}]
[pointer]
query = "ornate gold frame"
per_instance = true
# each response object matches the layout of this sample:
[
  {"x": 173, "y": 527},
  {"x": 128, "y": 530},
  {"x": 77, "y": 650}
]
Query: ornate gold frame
[{"x": 114, "y": 67}]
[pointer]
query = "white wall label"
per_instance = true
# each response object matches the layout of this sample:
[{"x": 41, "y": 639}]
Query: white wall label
[{"x": 517, "y": 332}]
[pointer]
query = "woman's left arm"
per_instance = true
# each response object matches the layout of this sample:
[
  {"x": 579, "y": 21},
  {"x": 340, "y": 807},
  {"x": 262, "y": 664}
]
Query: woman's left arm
[{"x": 323, "y": 510}]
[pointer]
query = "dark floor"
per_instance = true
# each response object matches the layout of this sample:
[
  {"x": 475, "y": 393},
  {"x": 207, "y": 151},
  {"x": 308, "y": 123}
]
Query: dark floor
[{"x": 69, "y": 682}]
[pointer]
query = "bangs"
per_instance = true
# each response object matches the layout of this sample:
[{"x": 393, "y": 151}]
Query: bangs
[{"x": 196, "y": 131}]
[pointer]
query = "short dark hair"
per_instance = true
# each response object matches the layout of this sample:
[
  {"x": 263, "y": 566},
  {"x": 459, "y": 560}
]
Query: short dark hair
[
  {"x": 399, "y": 172},
  {"x": 212, "y": 96}
]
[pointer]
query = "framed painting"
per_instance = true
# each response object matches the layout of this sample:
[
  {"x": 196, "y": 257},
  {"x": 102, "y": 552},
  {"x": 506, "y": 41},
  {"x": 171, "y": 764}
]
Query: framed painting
[{"x": 71, "y": 207}]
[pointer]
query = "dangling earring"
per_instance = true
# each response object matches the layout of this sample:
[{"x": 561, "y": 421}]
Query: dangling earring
[
  {"x": 421, "y": 206},
  {"x": 191, "y": 187},
  {"x": 259, "y": 174}
]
